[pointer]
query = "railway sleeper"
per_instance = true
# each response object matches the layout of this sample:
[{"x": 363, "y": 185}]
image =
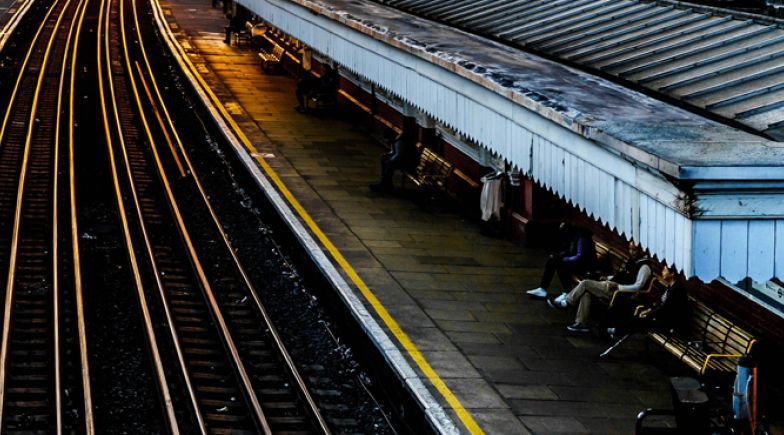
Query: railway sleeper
[
  {"x": 225, "y": 417},
  {"x": 192, "y": 329},
  {"x": 231, "y": 431},
  {"x": 215, "y": 389},
  {"x": 27, "y": 404},
  {"x": 185, "y": 303},
  {"x": 24, "y": 419},
  {"x": 202, "y": 351},
  {"x": 195, "y": 339},
  {"x": 190, "y": 319},
  {"x": 30, "y": 377},
  {"x": 191, "y": 309},
  {"x": 213, "y": 365},
  {"x": 287, "y": 420},
  {"x": 216, "y": 377},
  {"x": 27, "y": 353},
  {"x": 280, "y": 405},
  {"x": 30, "y": 342},
  {"x": 30, "y": 365}
]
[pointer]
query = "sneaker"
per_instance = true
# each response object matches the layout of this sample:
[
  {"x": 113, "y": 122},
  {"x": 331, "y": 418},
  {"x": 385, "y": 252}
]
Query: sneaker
[
  {"x": 578, "y": 327},
  {"x": 558, "y": 304},
  {"x": 561, "y": 298},
  {"x": 537, "y": 293}
]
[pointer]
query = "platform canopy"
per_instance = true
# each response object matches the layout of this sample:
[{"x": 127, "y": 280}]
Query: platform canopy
[
  {"x": 699, "y": 194},
  {"x": 731, "y": 64}
]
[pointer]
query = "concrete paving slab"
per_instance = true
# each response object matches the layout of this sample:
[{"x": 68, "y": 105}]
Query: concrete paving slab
[
  {"x": 528, "y": 392},
  {"x": 560, "y": 425}
]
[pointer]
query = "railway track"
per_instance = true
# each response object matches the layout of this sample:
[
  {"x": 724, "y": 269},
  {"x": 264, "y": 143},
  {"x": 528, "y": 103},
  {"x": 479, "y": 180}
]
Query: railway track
[
  {"x": 217, "y": 361},
  {"x": 39, "y": 309},
  {"x": 231, "y": 366}
]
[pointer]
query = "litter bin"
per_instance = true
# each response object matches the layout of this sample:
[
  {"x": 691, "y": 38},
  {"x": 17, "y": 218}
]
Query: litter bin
[{"x": 691, "y": 405}]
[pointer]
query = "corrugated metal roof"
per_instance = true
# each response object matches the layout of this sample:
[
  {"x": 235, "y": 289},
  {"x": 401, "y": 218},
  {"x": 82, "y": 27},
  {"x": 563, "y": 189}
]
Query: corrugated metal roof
[{"x": 707, "y": 58}]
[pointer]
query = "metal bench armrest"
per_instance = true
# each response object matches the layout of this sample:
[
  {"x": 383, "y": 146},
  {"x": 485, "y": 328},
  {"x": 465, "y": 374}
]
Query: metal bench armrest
[
  {"x": 717, "y": 355},
  {"x": 617, "y": 292}
]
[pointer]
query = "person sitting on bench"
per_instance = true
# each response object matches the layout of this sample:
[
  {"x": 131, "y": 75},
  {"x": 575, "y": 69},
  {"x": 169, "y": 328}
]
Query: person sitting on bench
[
  {"x": 634, "y": 276},
  {"x": 664, "y": 312},
  {"x": 578, "y": 258},
  {"x": 403, "y": 155},
  {"x": 311, "y": 85}
]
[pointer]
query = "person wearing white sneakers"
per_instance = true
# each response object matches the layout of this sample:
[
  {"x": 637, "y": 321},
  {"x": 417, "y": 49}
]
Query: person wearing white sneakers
[
  {"x": 634, "y": 276},
  {"x": 578, "y": 258}
]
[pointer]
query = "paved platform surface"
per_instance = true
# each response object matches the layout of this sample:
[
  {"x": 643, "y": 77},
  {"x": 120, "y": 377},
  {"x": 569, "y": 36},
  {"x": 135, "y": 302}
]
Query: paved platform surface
[
  {"x": 7, "y": 8},
  {"x": 454, "y": 291}
]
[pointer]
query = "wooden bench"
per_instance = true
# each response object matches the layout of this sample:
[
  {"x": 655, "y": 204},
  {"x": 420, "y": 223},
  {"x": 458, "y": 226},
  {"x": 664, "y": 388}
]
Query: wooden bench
[
  {"x": 271, "y": 61},
  {"x": 431, "y": 172},
  {"x": 710, "y": 344}
]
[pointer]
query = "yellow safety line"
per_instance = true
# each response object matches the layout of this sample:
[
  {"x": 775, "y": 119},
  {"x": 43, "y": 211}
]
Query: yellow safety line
[{"x": 383, "y": 313}]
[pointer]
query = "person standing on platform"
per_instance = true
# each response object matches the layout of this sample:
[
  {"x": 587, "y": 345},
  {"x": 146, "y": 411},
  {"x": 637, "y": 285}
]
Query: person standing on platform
[
  {"x": 634, "y": 276},
  {"x": 403, "y": 155},
  {"x": 577, "y": 259}
]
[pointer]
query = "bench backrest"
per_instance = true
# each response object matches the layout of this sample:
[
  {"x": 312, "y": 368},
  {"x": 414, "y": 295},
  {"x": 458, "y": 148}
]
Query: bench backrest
[
  {"x": 277, "y": 52},
  {"x": 608, "y": 260},
  {"x": 717, "y": 333},
  {"x": 432, "y": 165}
]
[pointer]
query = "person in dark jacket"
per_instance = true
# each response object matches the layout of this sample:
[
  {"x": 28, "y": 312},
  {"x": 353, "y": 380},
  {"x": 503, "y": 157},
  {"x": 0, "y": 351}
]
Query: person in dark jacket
[
  {"x": 578, "y": 257},
  {"x": 665, "y": 312},
  {"x": 403, "y": 155}
]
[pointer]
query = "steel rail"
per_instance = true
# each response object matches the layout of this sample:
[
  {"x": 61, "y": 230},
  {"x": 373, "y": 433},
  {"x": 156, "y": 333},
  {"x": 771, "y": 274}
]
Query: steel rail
[
  {"x": 159, "y": 284},
  {"x": 255, "y": 404},
  {"x": 55, "y": 218},
  {"x": 80, "y": 321},
  {"x": 7, "y": 311},
  {"x": 195, "y": 355},
  {"x": 103, "y": 25},
  {"x": 313, "y": 407},
  {"x": 22, "y": 69}
]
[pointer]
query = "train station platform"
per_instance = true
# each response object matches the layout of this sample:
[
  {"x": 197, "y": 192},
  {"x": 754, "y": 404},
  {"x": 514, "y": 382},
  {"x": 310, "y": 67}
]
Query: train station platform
[
  {"x": 11, "y": 12},
  {"x": 457, "y": 294}
]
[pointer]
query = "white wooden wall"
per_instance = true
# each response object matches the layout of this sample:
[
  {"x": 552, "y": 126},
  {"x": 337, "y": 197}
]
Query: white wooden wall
[{"x": 735, "y": 249}]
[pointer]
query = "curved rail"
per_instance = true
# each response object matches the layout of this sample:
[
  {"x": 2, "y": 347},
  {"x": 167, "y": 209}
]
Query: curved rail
[
  {"x": 313, "y": 407},
  {"x": 31, "y": 385},
  {"x": 75, "y": 253},
  {"x": 226, "y": 319},
  {"x": 217, "y": 315},
  {"x": 104, "y": 26}
]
